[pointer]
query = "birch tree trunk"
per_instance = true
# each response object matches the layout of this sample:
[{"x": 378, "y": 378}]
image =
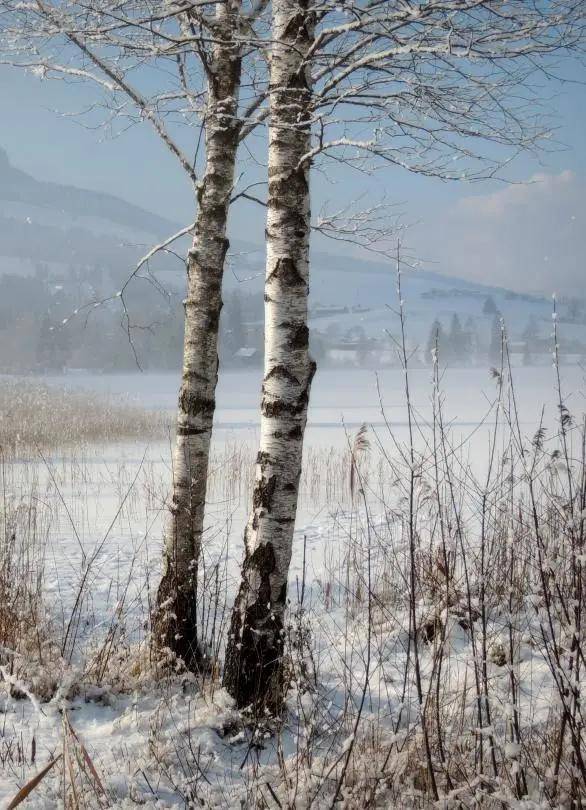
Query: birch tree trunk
[
  {"x": 255, "y": 643},
  {"x": 175, "y": 617}
]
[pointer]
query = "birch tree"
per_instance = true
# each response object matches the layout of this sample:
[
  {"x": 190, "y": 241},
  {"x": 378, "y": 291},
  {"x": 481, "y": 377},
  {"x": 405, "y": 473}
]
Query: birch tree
[
  {"x": 175, "y": 623},
  {"x": 441, "y": 88},
  {"x": 255, "y": 643},
  {"x": 123, "y": 49}
]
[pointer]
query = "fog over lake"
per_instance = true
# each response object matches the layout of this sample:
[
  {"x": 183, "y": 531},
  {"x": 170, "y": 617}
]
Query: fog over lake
[{"x": 351, "y": 397}]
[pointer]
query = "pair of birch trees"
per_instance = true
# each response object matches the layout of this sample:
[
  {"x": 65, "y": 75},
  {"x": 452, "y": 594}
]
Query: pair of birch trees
[
  {"x": 422, "y": 80},
  {"x": 443, "y": 88}
]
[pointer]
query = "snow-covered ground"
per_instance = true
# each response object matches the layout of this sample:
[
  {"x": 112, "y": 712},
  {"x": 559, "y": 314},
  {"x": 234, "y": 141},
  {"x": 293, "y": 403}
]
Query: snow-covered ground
[{"x": 99, "y": 511}]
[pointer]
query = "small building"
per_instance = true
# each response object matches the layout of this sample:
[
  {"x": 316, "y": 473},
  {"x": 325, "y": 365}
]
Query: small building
[{"x": 247, "y": 355}]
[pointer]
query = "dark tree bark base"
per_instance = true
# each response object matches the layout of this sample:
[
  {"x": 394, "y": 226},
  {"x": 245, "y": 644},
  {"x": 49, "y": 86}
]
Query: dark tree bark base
[
  {"x": 175, "y": 625},
  {"x": 253, "y": 672}
]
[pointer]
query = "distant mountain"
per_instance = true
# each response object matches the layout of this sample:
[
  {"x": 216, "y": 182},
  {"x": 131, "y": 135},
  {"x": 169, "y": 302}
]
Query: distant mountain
[
  {"x": 19, "y": 187},
  {"x": 71, "y": 230}
]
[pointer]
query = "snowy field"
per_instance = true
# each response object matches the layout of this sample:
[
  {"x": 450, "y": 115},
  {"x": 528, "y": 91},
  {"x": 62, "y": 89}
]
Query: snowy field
[{"x": 93, "y": 517}]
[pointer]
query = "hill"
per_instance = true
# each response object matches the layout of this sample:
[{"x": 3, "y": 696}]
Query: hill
[
  {"x": 80, "y": 205},
  {"x": 75, "y": 245}
]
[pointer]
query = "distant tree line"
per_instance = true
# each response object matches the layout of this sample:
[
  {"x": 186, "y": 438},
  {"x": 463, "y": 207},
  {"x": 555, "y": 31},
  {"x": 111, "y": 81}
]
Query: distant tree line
[
  {"x": 49, "y": 323},
  {"x": 462, "y": 345}
]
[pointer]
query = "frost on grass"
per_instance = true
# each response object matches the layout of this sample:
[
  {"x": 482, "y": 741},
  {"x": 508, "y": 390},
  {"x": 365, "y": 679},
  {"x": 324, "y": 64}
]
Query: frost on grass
[
  {"x": 434, "y": 636},
  {"x": 36, "y": 415}
]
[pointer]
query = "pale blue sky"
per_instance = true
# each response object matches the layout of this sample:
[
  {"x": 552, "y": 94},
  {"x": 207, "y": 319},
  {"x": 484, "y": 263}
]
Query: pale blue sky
[{"x": 44, "y": 140}]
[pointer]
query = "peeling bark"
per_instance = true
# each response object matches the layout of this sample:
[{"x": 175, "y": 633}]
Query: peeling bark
[
  {"x": 175, "y": 616},
  {"x": 255, "y": 644}
]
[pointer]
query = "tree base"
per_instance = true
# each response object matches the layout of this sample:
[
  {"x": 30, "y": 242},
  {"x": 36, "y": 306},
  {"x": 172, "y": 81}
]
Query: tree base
[
  {"x": 253, "y": 673},
  {"x": 174, "y": 625}
]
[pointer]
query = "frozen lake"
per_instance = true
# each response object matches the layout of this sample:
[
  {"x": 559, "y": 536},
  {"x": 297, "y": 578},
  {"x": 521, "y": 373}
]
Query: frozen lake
[
  {"x": 350, "y": 397},
  {"x": 90, "y": 494}
]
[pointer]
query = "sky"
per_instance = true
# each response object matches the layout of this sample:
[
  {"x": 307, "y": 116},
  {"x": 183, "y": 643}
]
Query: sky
[{"x": 528, "y": 233}]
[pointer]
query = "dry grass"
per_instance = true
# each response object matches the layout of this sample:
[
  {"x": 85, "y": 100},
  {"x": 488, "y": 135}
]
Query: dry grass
[
  {"x": 439, "y": 659},
  {"x": 36, "y": 415},
  {"x": 21, "y": 578}
]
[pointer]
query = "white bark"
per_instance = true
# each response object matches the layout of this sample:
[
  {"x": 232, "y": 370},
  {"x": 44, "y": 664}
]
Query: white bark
[
  {"x": 175, "y": 620},
  {"x": 256, "y": 638}
]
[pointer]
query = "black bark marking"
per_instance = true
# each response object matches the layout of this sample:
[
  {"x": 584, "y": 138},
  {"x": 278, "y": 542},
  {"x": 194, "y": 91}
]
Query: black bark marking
[
  {"x": 275, "y": 408},
  {"x": 298, "y": 335},
  {"x": 183, "y": 430},
  {"x": 189, "y": 376},
  {"x": 280, "y": 200},
  {"x": 213, "y": 319},
  {"x": 175, "y": 627},
  {"x": 263, "y": 493},
  {"x": 282, "y": 597},
  {"x": 283, "y": 373},
  {"x": 312, "y": 370},
  {"x": 263, "y": 562},
  {"x": 253, "y": 674},
  {"x": 225, "y": 248},
  {"x": 286, "y": 272},
  {"x": 195, "y": 405},
  {"x": 293, "y": 27}
]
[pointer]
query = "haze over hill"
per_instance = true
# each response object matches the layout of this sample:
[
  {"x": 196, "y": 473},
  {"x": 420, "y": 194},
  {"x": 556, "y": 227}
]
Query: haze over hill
[
  {"x": 16, "y": 186},
  {"x": 63, "y": 247}
]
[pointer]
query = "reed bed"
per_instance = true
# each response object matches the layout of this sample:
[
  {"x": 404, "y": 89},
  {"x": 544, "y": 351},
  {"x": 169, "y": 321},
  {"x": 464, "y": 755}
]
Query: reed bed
[
  {"x": 436, "y": 633},
  {"x": 35, "y": 415}
]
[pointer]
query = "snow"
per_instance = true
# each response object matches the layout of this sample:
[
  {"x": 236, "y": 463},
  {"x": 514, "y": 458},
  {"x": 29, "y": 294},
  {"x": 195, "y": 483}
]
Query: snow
[{"x": 155, "y": 743}]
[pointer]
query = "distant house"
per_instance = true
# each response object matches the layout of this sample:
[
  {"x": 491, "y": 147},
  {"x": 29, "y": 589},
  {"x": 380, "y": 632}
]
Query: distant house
[
  {"x": 247, "y": 355},
  {"x": 572, "y": 358},
  {"x": 327, "y": 312},
  {"x": 452, "y": 292},
  {"x": 343, "y": 356},
  {"x": 360, "y": 352},
  {"x": 360, "y": 309}
]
